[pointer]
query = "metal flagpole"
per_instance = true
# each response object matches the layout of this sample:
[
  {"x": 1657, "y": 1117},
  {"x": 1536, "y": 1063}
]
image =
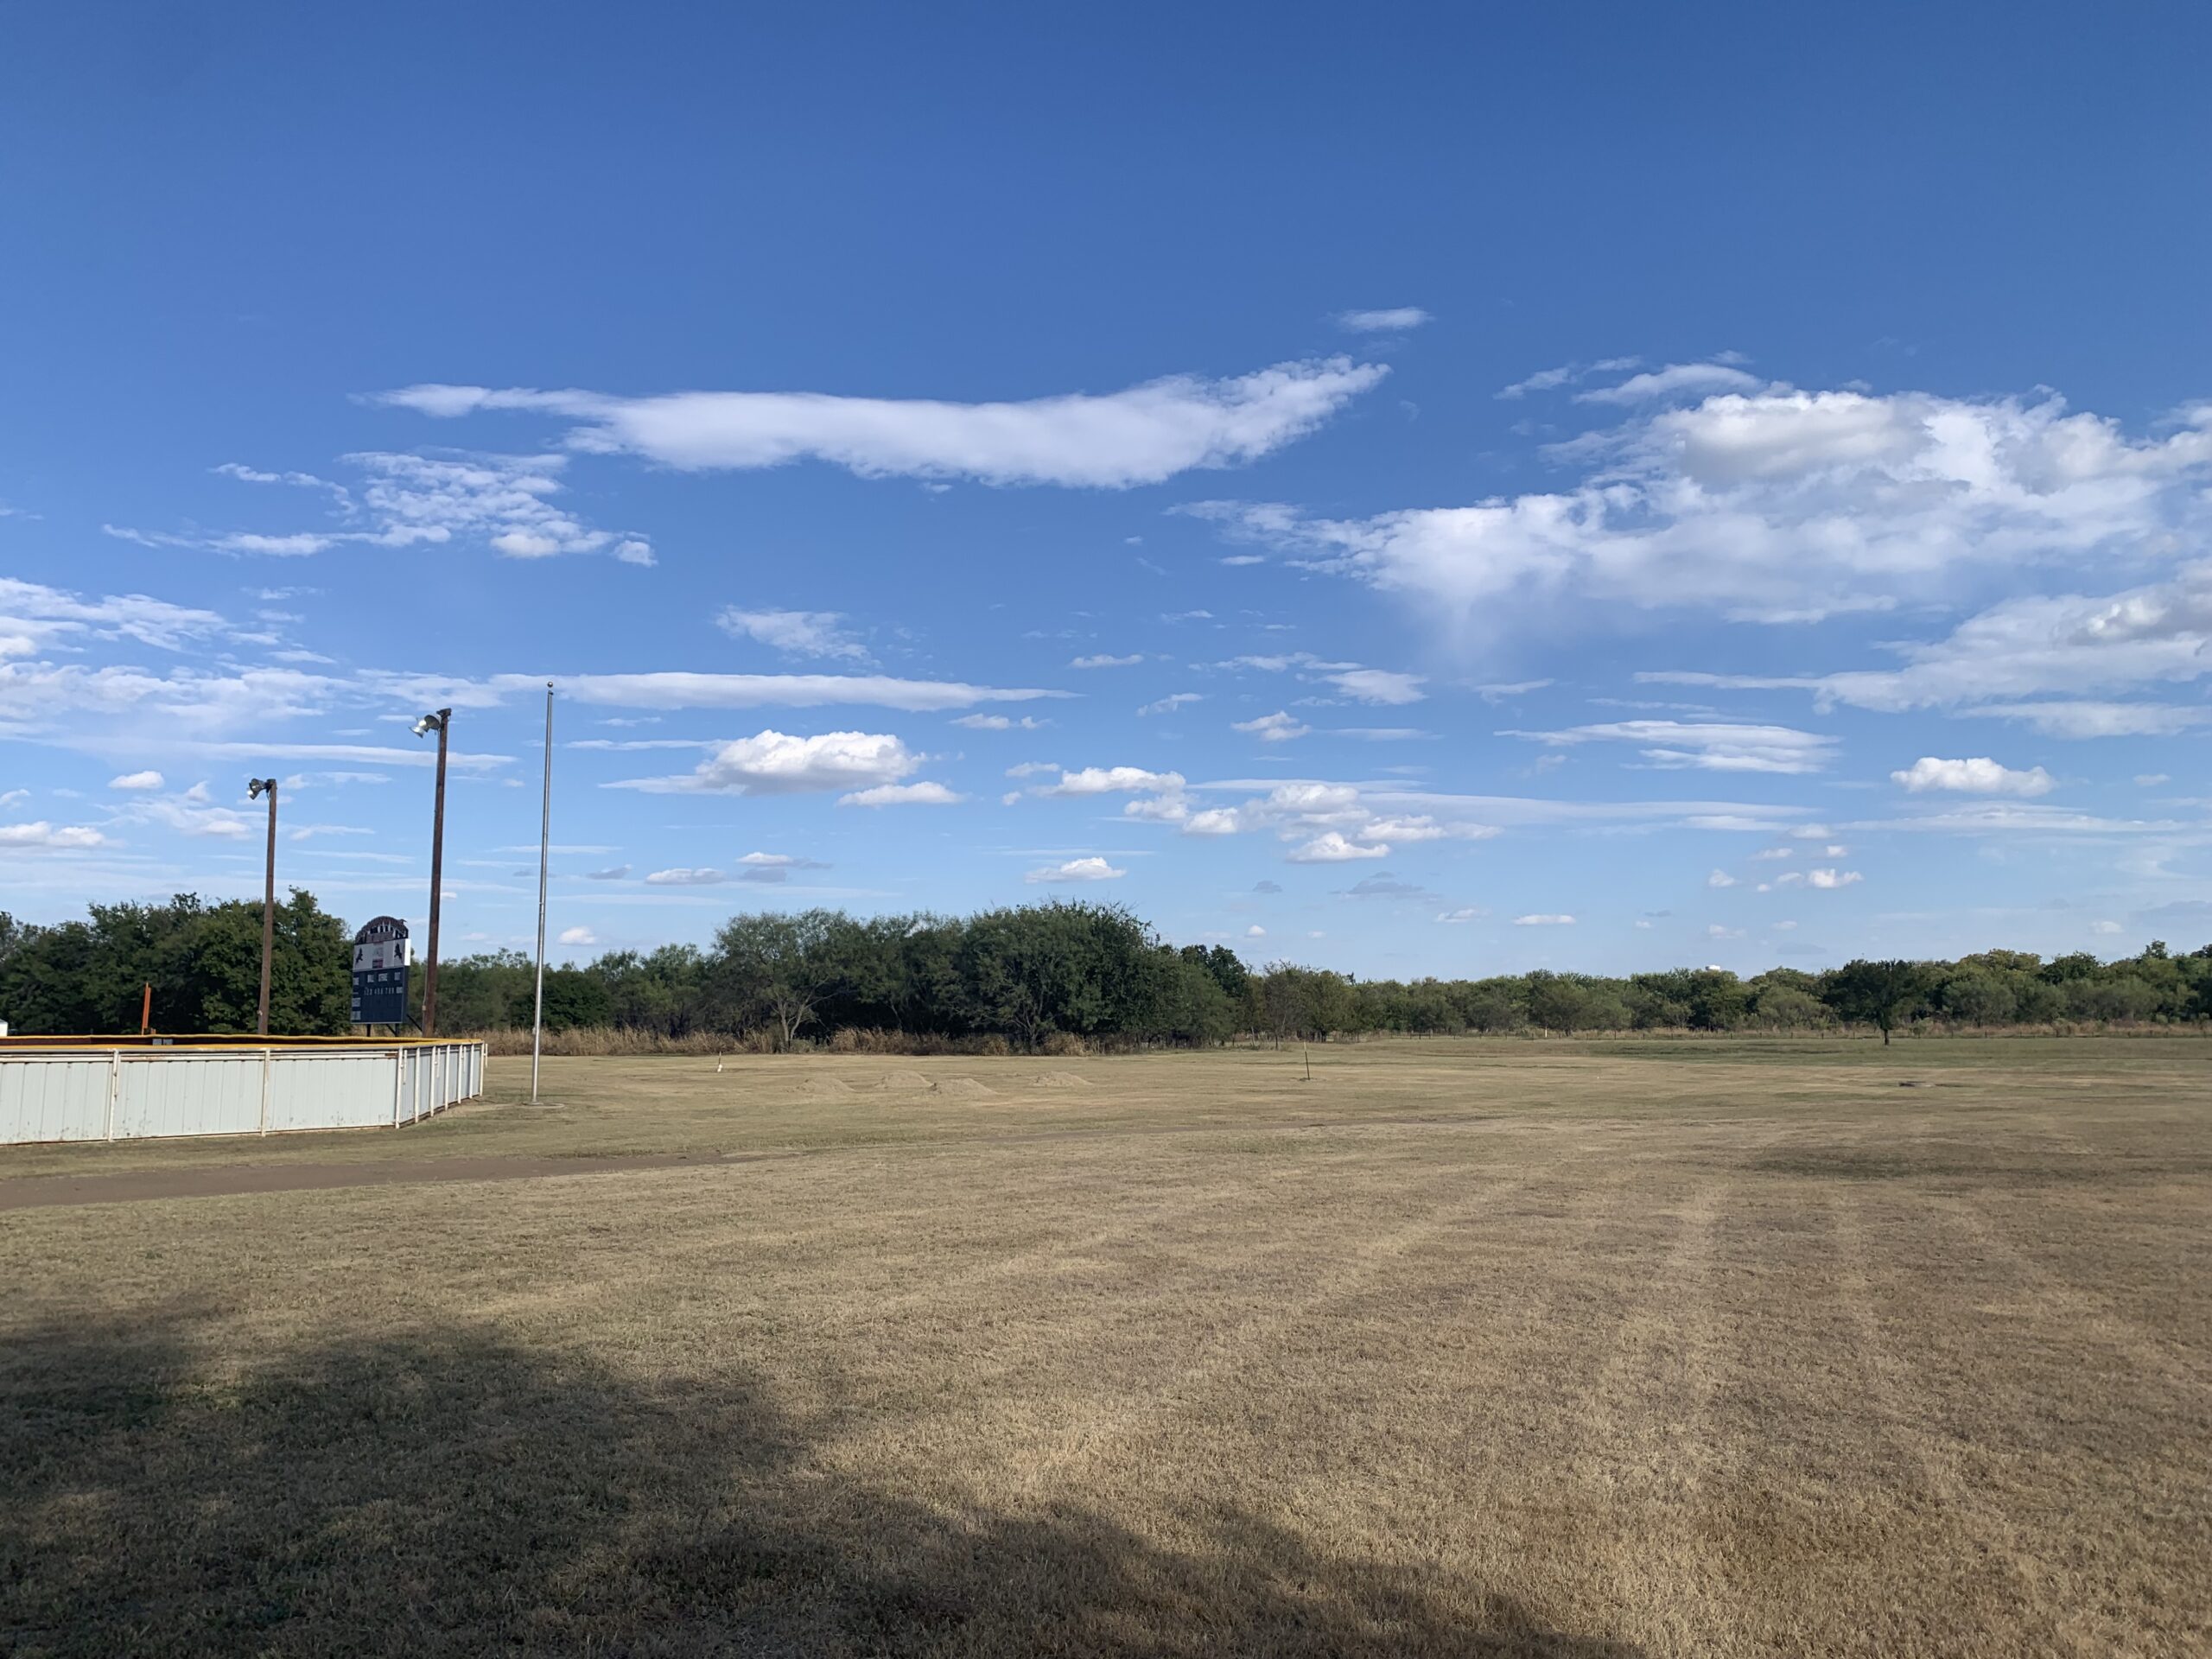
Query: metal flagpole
[
  {"x": 266, "y": 786},
  {"x": 544, "y": 849}
]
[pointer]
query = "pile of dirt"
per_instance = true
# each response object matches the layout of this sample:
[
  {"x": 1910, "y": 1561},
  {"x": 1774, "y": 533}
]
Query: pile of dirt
[
  {"x": 1059, "y": 1080},
  {"x": 826, "y": 1088},
  {"x": 901, "y": 1080},
  {"x": 967, "y": 1088}
]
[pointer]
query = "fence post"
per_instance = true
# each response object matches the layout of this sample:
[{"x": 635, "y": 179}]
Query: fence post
[
  {"x": 267, "y": 1061},
  {"x": 114, "y": 1089},
  {"x": 399, "y": 1078}
]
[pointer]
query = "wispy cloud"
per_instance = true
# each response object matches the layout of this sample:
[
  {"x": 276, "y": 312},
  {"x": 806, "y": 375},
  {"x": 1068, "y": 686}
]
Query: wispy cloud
[
  {"x": 1711, "y": 746},
  {"x": 503, "y": 502},
  {"x": 1390, "y": 319},
  {"x": 1145, "y": 434},
  {"x": 796, "y": 633}
]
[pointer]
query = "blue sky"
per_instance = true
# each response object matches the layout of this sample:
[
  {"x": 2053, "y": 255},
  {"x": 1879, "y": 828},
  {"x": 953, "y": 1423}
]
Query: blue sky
[{"x": 1417, "y": 490}]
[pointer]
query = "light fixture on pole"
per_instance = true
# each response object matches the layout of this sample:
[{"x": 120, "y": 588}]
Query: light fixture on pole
[
  {"x": 442, "y": 723},
  {"x": 255, "y": 789},
  {"x": 544, "y": 849}
]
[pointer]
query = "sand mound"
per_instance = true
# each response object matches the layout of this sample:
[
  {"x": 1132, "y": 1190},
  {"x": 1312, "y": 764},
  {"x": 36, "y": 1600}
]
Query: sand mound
[
  {"x": 1059, "y": 1080},
  {"x": 970, "y": 1088},
  {"x": 826, "y": 1088},
  {"x": 901, "y": 1080}
]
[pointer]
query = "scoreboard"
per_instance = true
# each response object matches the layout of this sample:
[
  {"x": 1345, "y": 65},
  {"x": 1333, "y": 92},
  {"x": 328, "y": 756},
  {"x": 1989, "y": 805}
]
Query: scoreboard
[{"x": 380, "y": 964}]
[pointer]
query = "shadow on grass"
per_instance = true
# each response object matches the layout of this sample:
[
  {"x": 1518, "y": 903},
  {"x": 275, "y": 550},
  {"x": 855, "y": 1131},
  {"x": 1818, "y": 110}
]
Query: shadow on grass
[{"x": 445, "y": 1494}]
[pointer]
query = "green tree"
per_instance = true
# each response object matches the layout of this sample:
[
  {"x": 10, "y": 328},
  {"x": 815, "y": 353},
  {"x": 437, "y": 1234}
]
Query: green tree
[
  {"x": 781, "y": 966},
  {"x": 1874, "y": 993}
]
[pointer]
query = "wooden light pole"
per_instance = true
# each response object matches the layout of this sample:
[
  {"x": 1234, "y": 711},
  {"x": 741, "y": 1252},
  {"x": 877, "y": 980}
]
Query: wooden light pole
[
  {"x": 255, "y": 788},
  {"x": 442, "y": 723}
]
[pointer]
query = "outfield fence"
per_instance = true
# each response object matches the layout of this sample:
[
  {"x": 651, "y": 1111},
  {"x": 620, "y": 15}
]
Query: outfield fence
[{"x": 104, "y": 1089}]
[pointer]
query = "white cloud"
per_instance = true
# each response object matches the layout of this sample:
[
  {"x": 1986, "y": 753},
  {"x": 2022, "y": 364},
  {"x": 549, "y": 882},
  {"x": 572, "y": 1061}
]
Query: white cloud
[
  {"x": 2106, "y": 928},
  {"x": 682, "y": 877},
  {"x": 796, "y": 633},
  {"x": 1565, "y": 374},
  {"x": 1711, "y": 746},
  {"x": 921, "y": 794},
  {"x": 1112, "y": 780},
  {"x": 1168, "y": 705},
  {"x": 1721, "y": 878},
  {"x": 1001, "y": 723},
  {"x": 1829, "y": 880},
  {"x": 1464, "y": 913},
  {"x": 578, "y": 936},
  {"x": 1158, "y": 809},
  {"x": 1031, "y": 769},
  {"x": 136, "y": 780},
  {"x": 42, "y": 835},
  {"x": 407, "y": 500},
  {"x": 33, "y": 615},
  {"x": 1543, "y": 920},
  {"x": 1105, "y": 661},
  {"x": 1715, "y": 930},
  {"x": 774, "y": 763},
  {"x": 1499, "y": 691},
  {"x": 679, "y": 688},
  {"x": 1979, "y": 775},
  {"x": 2151, "y": 779},
  {"x": 1780, "y": 504},
  {"x": 1144, "y": 435},
  {"x": 1332, "y": 847},
  {"x": 1278, "y": 727},
  {"x": 1378, "y": 685},
  {"x": 1074, "y": 871},
  {"x": 1390, "y": 319},
  {"x": 1423, "y": 826},
  {"x": 1676, "y": 378}
]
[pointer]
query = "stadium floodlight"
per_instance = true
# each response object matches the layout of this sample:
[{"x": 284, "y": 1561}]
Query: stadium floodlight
[
  {"x": 428, "y": 724},
  {"x": 256, "y": 787}
]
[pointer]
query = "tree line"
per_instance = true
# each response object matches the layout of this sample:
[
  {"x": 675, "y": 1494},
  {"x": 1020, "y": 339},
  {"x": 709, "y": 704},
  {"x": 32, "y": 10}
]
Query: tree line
[{"x": 1025, "y": 974}]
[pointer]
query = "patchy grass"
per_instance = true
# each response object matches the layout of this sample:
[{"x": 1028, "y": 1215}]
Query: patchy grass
[{"x": 1462, "y": 1348}]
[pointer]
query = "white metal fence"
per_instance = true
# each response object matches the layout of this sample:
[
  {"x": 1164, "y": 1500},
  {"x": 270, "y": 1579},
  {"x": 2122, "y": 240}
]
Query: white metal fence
[{"x": 96, "y": 1093}]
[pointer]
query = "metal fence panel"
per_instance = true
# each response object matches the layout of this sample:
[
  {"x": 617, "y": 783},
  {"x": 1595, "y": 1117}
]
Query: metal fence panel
[
  {"x": 129, "y": 1093},
  {"x": 64, "y": 1097},
  {"x": 330, "y": 1092}
]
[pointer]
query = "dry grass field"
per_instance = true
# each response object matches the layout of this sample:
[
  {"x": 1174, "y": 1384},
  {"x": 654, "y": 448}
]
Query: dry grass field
[{"x": 1460, "y": 1348}]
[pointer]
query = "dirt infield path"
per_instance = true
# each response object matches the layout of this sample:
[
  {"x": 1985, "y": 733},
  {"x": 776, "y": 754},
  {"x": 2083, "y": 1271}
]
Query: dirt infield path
[{"x": 40, "y": 1191}]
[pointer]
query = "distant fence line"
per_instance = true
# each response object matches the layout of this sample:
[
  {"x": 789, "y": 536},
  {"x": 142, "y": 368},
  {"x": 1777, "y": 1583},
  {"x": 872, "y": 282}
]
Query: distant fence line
[{"x": 93, "y": 1088}]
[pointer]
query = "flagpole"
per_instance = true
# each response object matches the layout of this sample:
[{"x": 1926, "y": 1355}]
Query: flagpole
[{"x": 544, "y": 851}]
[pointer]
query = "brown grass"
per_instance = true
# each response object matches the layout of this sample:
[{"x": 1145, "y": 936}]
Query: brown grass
[{"x": 1459, "y": 1349}]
